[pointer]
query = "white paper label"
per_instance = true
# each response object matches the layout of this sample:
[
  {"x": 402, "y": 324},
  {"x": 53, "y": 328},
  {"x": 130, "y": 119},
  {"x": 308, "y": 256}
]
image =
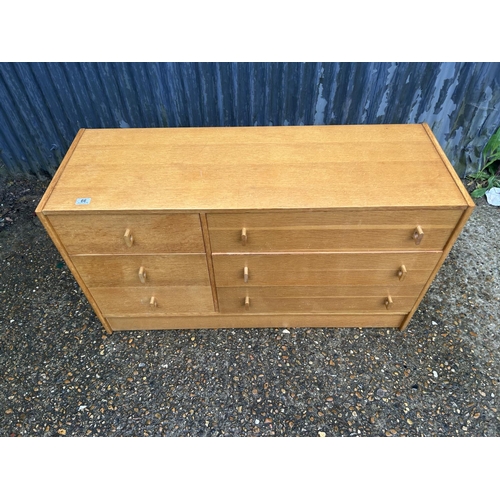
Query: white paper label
[{"x": 82, "y": 201}]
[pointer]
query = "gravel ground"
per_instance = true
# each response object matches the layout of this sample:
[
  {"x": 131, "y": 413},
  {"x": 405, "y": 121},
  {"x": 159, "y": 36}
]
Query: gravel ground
[{"x": 62, "y": 375}]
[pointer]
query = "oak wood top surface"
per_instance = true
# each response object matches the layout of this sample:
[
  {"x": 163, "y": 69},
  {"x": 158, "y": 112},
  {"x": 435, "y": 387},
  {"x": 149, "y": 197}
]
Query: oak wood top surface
[{"x": 255, "y": 168}]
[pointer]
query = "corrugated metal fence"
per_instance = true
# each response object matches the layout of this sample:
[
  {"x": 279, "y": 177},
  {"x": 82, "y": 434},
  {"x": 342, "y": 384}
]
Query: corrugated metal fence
[{"x": 42, "y": 105}]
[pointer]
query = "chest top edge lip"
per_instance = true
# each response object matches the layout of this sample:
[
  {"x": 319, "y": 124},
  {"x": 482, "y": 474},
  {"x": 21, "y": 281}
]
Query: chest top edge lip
[{"x": 77, "y": 211}]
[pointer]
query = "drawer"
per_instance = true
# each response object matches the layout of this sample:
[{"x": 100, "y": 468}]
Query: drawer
[
  {"x": 142, "y": 270},
  {"x": 150, "y": 301},
  {"x": 346, "y": 230},
  {"x": 146, "y": 233},
  {"x": 293, "y": 299},
  {"x": 324, "y": 269}
]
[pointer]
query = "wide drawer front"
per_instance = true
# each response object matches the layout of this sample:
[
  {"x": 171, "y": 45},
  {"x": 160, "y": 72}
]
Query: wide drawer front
[
  {"x": 325, "y": 299},
  {"x": 129, "y": 233},
  {"x": 149, "y": 301},
  {"x": 414, "y": 268},
  {"x": 142, "y": 270},
  {"x": 347, "y": 230}
]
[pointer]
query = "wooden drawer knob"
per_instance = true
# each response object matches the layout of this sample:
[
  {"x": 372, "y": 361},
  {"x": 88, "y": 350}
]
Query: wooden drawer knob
[
  {"x": 245, "y": 274},
  {"x": 402, "y": 273},
  {"x": 388, "y": 302},
  {"x": 418, "y": 235},
  {"x": 152, "y": 302},
  {"x": 244, "y": 237},
  {"x": 247, "y": 302},
  {"x": 142, "y": 274},
  {"x": 129, "y": 239}
]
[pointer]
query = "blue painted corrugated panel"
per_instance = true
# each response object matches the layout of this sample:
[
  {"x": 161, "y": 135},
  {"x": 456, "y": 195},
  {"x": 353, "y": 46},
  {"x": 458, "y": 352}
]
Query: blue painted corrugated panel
[{"x": 42, "y": 105}]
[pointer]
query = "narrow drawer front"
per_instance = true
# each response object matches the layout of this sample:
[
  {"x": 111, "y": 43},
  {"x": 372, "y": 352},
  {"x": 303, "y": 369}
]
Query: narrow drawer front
[
  {"x": 142, "y": 270},
  {"x": 152, "y": 301},
  {"x": 316, "y": 299},
  {"x": 129, "y": 233},
  {"x": 346, "y": 230},
  {"x": 333, "y": 269}
]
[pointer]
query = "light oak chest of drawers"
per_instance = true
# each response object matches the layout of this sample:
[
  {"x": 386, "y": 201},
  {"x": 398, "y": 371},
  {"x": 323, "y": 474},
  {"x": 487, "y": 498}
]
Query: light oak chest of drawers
[{"x": 255, "y": 226}]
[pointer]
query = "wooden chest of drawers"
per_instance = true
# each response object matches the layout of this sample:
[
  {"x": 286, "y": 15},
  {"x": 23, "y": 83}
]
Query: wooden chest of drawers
[{"x": 255, "y": 226}]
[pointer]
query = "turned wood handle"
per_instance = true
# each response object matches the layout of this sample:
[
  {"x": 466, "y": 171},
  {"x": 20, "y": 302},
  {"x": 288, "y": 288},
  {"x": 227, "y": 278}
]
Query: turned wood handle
[
  {"x": 142, "y": 274},
  {"x": 402, "y": 273},
  {"x": 418, "y": 235},
  {"x": 244, "y": 237},
  {"x": 388, "y": 302},
  {"x": 245, "y": 274},
  {"x": 152, "y": 302},
  {"x": 129, "y": 239},
  {"x": 247, "y": 302}
]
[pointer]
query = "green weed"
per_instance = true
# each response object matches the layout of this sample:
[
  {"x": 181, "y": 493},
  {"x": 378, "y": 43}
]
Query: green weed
[{"x": 488, "y": 175}]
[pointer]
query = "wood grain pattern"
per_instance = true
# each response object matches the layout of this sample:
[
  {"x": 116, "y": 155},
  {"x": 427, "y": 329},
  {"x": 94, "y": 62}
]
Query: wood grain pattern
[
  {"x": 306, "y": 167},
  {"x": 449, "y": 166},
  {"x": 169, "y": 300},
  {"x": 347, "y": 238},
  {"x": 398, "y": 289},
  {"x": 64, "y": 254},
  {"x": 323, "y": 269},
  {"x": 346, "y": 230},
  {"x": 334, "y": 218},
  {"x": 305, "y": 300},
  {"x": 161, "y": 270},
  {"x": 256, "y": 321},
  {"x": 449, "y": 245},
  {"x": 103, "y": 234}
]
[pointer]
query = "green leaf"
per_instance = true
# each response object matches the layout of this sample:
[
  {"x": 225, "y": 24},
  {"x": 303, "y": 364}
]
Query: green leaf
[
  {"x": 492, "y": 147},
  {"x": 493, "y": 144},
  {"x": 477, "y": 193},
  {"x": 491, "y": 158},
  {"x": 491, "y": 168},
  {"x": 479, "y": 175}
]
